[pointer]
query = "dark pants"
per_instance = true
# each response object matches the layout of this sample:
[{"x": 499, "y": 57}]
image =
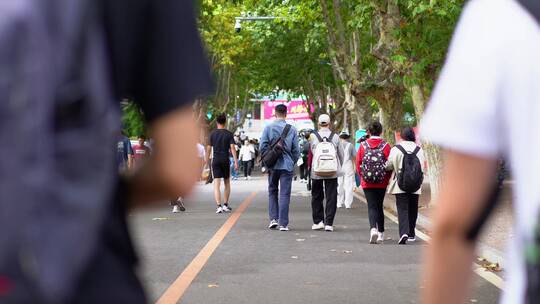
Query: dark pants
[
  {"x": 304, "y": 173},
  {"x": 375, "y": 200},
  {"x": 317, "y": 196},
  {"x": 407, "y": 207},
  {"x": 279, "y": 195},
  {"x": 247, "y": 168}
]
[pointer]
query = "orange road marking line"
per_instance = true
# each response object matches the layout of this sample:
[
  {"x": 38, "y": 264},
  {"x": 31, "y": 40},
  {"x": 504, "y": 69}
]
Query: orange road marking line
[{"x": 175, "y": 292}]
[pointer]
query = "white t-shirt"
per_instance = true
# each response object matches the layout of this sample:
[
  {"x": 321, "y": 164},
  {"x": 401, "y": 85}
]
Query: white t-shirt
[
  {"x": 487, "y": 103},
  {"x": 246, "y": 152}
]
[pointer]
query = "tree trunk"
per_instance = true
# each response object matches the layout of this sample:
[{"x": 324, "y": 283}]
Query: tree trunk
[
  {"x": 434, "y": 162},
  {"x": 433, "y": 153},
  {"x": 419, "y": 100},
  {"x": 391, "y": 110}
]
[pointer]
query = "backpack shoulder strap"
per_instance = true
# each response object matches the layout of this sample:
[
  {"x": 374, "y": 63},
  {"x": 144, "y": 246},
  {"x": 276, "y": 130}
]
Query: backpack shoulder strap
[
  {"x": 331, "y": 136},
  {"x": 285, "y": 131},
  {"x": 400, "y": 148},
  {"x": 416, "y": 150},
  {"x": 319, "y": 138},
  {"x": 533, "y": 7}
]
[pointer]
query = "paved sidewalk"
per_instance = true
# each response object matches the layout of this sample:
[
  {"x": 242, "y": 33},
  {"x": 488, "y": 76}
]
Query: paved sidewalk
[{"x": 256, "y": 265}]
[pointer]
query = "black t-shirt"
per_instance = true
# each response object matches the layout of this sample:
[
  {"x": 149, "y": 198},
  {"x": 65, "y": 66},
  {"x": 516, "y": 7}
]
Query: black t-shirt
[
  {"x": 157, "y": 60},
  {"x": 156, "y": 54},
  {"x": 221, "y": 141}
]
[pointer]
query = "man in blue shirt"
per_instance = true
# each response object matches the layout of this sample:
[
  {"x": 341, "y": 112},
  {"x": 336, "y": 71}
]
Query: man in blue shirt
[
  {"x": 124, "y": 155},
  {"x": 280, "y": 176}
]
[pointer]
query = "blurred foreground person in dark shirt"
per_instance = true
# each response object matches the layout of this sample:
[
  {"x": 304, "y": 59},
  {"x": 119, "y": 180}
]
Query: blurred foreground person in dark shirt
[{"x": 68, "y": 63}]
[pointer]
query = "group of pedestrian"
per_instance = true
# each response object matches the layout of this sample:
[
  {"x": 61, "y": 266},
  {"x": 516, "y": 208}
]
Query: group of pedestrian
[
  {"x": 397, "y": 171},
  {"x": 131, "y": 157},
  {"x": 332, "y": 164}
]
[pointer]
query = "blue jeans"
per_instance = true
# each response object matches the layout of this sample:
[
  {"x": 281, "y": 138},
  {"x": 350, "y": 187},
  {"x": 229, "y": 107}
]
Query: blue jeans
[
  {"x": 279, "y": 195},
  {"x": 234, "y": 174}
]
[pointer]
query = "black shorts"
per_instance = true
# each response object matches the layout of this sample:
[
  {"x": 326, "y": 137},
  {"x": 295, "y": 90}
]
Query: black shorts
[{"x": 221, "y": 168}]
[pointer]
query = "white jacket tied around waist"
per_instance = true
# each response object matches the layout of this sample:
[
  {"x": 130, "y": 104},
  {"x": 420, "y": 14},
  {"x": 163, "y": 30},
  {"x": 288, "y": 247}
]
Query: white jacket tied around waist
[{"x": 395, "y": 163}]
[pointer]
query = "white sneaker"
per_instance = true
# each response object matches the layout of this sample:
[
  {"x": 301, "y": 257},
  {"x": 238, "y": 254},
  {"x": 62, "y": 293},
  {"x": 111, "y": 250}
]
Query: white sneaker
[
  {"x": 283, "y": 228},
  {"x": 175, "y": 209},
  {"x": 340, "y": 206},
  {"x": 219, "y": 210},
  {"x": 403, "y": 239},
  {"x": 318, "y": 226},
  {"x": 412, "y": 239},
  {"x": 249, "y": 177},
  {"x": 329, "y": 228},
  {"x": 380, "y": 237},
  {"x": 373, "y": 236},
  {"x": 226, "y": 208},
  {"x": 273, "y": 224}
]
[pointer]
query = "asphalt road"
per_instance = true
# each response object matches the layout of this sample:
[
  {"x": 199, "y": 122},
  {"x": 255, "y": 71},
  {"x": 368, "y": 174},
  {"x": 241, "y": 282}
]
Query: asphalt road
[{"x": 257, "y": 265}]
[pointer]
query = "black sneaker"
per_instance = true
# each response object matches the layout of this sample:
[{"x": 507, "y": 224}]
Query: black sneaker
[
  {"x": 181, "y": 205},
  {"x": 403, "y": 240}
]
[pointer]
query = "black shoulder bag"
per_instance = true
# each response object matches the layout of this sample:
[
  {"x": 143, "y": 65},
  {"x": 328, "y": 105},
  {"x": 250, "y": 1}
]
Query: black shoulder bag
[{"x": 276, "y": 150}]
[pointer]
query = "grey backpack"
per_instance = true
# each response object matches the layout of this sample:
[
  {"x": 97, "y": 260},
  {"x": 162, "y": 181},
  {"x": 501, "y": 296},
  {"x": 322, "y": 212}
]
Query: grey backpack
[{"x": 58, "y": 125}]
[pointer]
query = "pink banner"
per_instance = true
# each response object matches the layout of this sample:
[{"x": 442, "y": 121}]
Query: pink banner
[{"x": 296, "y": 109}]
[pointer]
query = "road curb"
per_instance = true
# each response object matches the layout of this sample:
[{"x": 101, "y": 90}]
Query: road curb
[{"x": 491, "y": 254}]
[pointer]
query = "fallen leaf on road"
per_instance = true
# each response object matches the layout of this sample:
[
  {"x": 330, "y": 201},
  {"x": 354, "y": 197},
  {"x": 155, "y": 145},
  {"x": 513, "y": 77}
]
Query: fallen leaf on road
[
  {"x": 333, "y": 250},
  {"x": 160, "y": 219},
  {"x": 300, "y": 240},
  {"x": 347, "y": 251},
  {"x": 294, "y": 257},
  {"x": 474, "y": 300},
  {"x": 213, "y": 285},
  {"x": 495, "y": 267}
]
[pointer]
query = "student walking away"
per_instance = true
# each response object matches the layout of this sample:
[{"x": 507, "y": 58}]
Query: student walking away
[
  {"x": 279, "y": 154},
  {"x": 233, "y": 165},
  {"x": 406, "y": 162},
  {"x": 304, "y": 152},
  {"x": 254, "y": 154},
  {"x": 140, "y": 152},
  {"x": 178, "y": 204},
  {"x": 325, "y": 170},
  {"x": 476, "y": 125},
  {"x": 346, "y": 182},
  {"x": 222, "y": 144},
  {"x": 247, "y": 153},
  {"x": 371, "y": 166},
  {"x": 78, "y": 249},
  {"x": 124, "y": 154}
]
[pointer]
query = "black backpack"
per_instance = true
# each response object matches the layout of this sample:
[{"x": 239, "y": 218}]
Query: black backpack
[
  {"x": 276, "y": 150},
  {"x": 410, "y": 177}
]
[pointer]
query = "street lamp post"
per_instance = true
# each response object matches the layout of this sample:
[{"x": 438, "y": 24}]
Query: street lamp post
[{"x": 238, "y": 23}]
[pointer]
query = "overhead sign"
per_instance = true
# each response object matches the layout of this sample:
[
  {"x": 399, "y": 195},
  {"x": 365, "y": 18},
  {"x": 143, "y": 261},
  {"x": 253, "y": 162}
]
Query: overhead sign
[{"x": 296, "y": 110}]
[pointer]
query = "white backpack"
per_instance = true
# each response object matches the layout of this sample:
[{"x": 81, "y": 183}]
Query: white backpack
[{"x": 325, "y": 160}]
